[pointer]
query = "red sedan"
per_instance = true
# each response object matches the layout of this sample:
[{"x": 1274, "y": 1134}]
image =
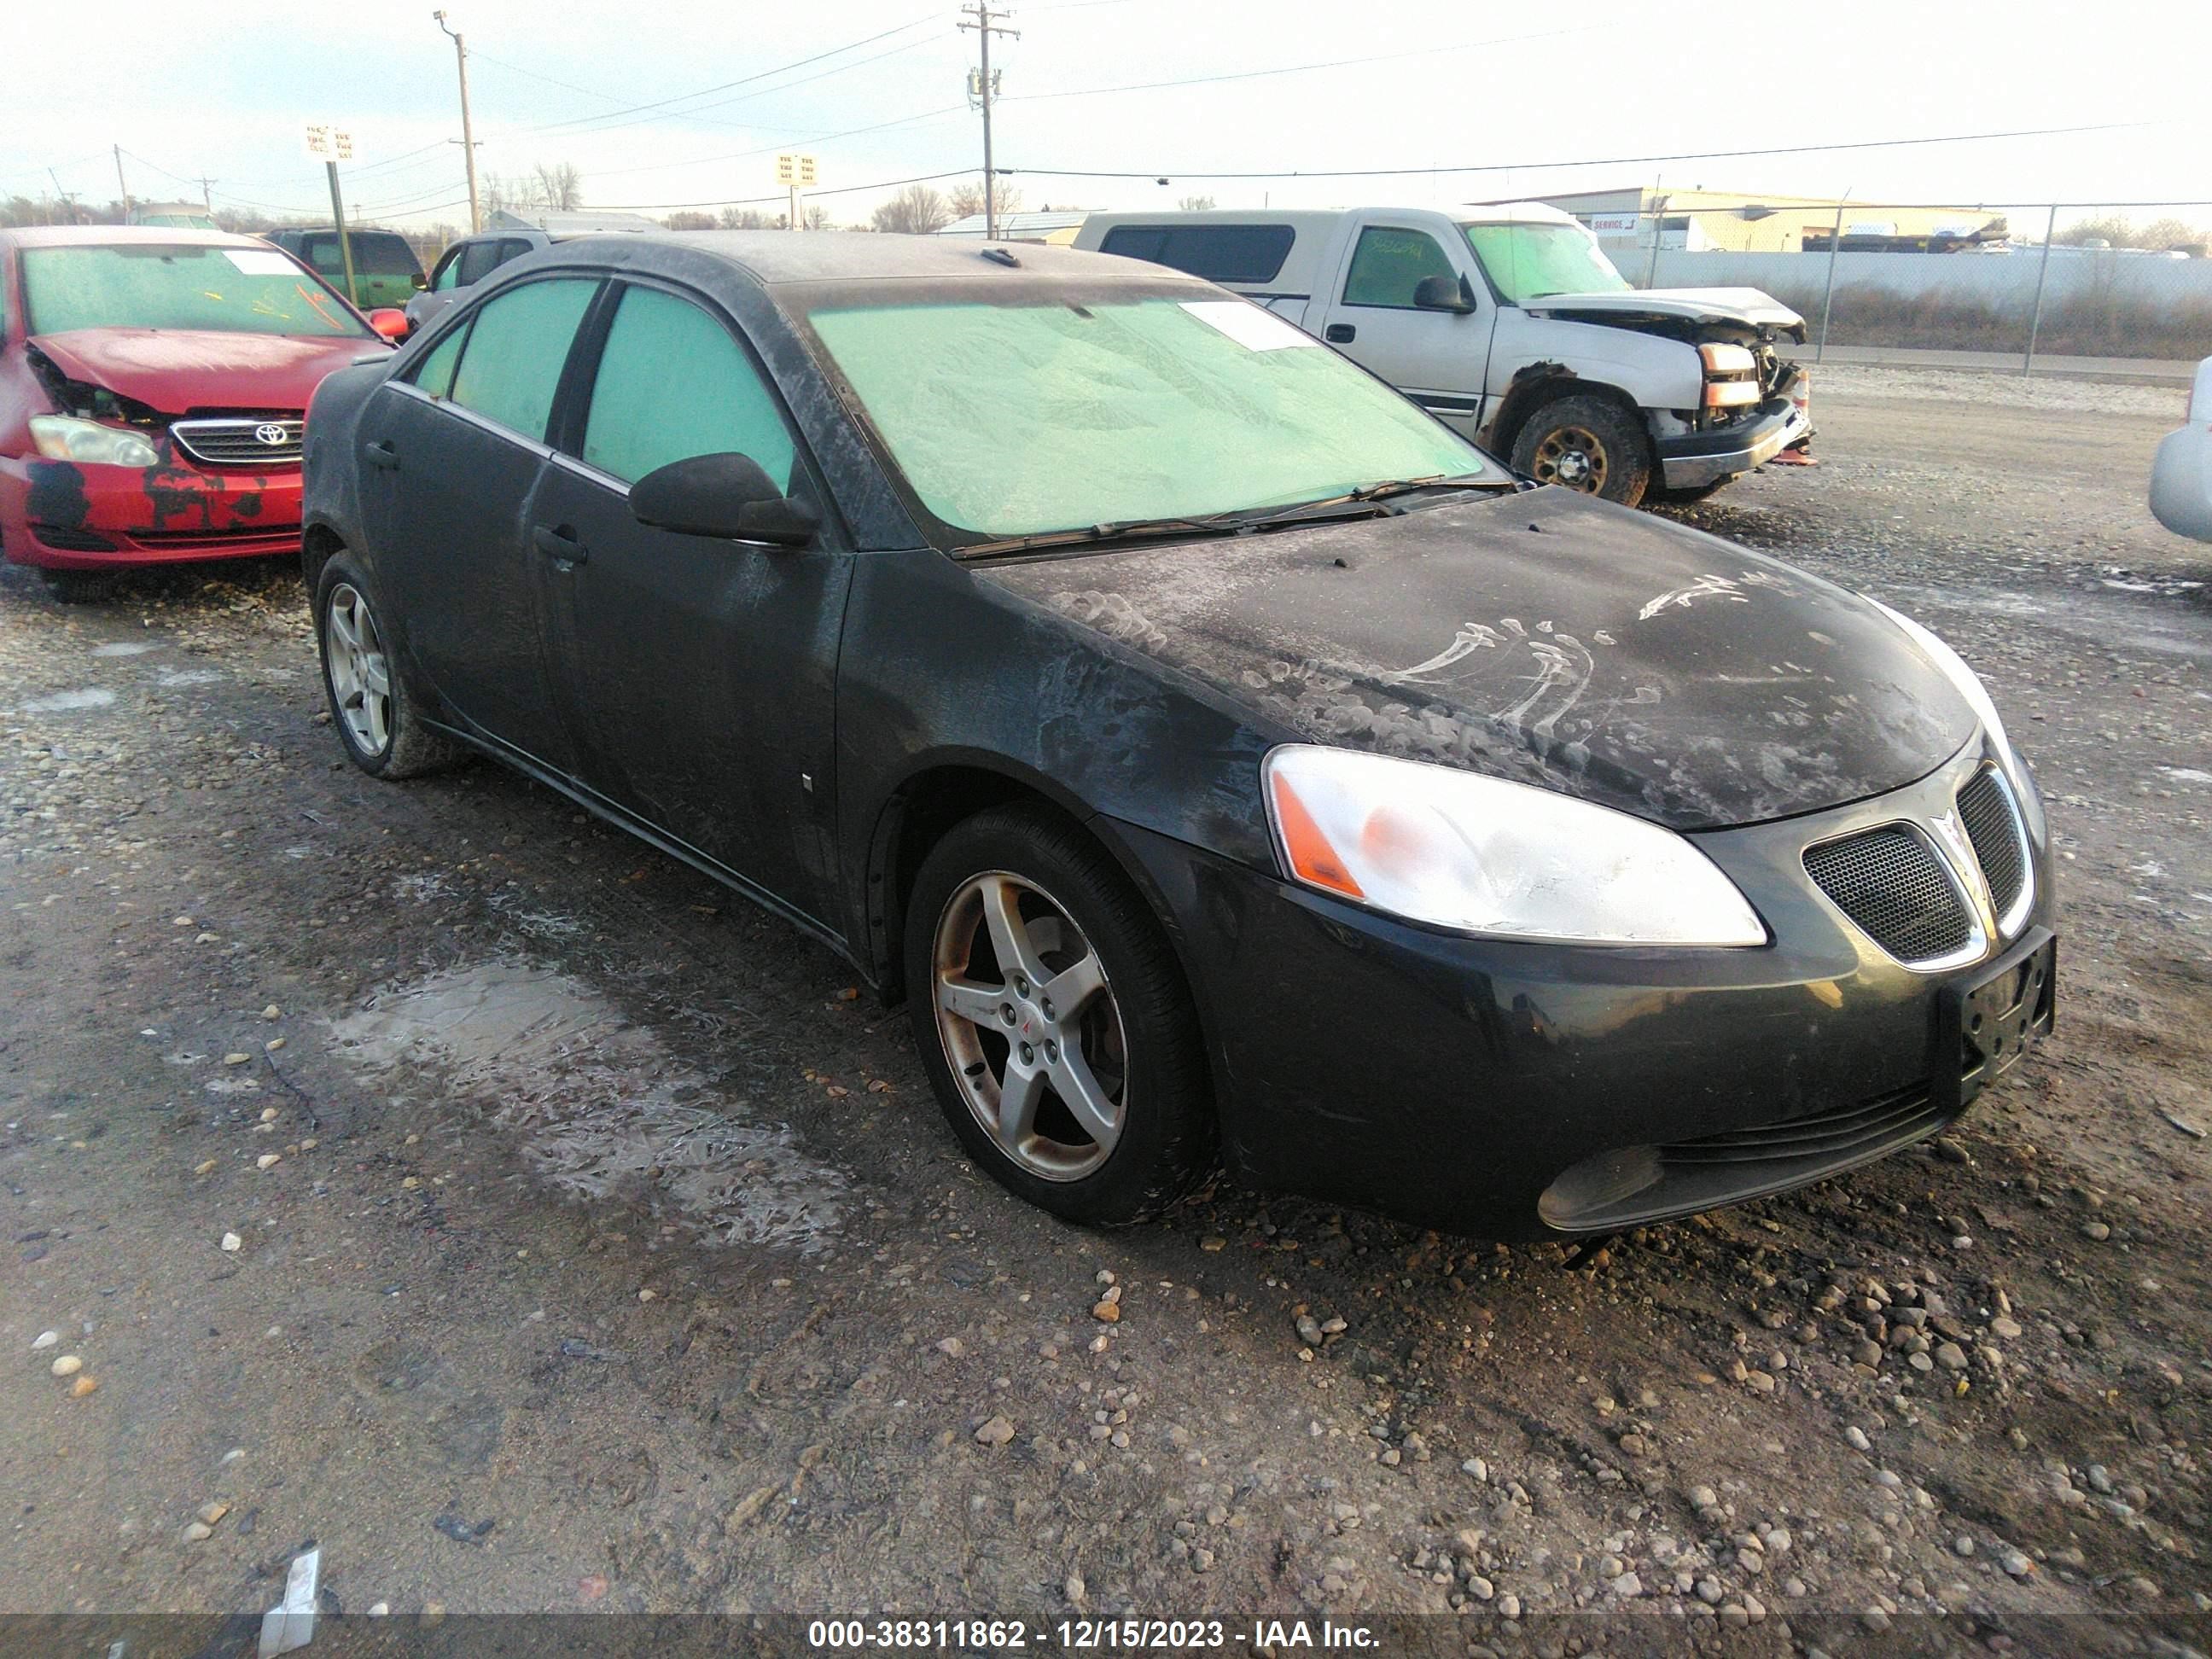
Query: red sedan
[{"x": 154, "y": 384}]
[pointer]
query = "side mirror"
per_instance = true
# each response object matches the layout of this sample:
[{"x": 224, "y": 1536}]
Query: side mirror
[
  {"x": 725, "y": 496},
  {"x": 1443, "y": 293},
  {"x": 420, "y": 282},
  {"x": 392, "y": 324}
]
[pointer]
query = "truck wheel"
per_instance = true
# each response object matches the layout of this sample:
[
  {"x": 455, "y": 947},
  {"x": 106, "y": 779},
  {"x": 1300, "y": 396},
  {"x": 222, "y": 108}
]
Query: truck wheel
[
  {"x": 1688, "y": 497},
  {"x": 1589, "y": 444}
]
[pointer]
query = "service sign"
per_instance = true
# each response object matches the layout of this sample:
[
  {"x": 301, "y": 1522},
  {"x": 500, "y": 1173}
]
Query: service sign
[
  {"x": 327, "y": 142},
  {"x": 1612, "y": 224}
]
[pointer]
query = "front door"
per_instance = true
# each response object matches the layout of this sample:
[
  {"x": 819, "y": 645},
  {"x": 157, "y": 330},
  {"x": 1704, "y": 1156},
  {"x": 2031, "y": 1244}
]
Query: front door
[
  {"x": 698, "y": 674},
  {"x": 450, "y": 460},
  {"x": 1437, "y": 358}
]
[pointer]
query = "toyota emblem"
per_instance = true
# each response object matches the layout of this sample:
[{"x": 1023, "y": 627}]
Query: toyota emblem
[{"x": 272, "y": 434}]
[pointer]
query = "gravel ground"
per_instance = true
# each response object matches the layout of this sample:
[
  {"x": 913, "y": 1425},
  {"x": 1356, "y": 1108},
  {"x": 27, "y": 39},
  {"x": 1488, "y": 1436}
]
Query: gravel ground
[{"x": 430, "y": 1172}]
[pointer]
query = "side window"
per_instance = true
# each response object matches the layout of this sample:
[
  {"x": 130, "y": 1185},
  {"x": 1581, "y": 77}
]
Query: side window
[
  {"x": 518, "y": 344},
  {"x": 448, "y": 277},
  {"x": 322, "y": 252},
  {"x": 512, "y": 248},
  {"x": 477, "y": 260},
  {"x": 435, "y": 376},
  {"x": 1220, "y": 253},
  {"x": 673, "y": 384},
  {"x": 1388, "y": 265}
]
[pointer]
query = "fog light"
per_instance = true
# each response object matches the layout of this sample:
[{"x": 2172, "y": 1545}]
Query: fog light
[{"x": 1597, "y": 1184}]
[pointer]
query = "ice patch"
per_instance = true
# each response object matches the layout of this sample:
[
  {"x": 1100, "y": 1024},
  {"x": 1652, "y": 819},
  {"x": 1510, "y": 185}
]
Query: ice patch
[
  {"x": 601, "y": 1103},
  {"x": 420, "y": 889},
  {"x": 62, "y": 702},
  {"x": 2186, "y": 774},
  {"x": 124, "y": 648},
  {"x": 544, "y": 924},
  {"x": 173, "y": 678}
]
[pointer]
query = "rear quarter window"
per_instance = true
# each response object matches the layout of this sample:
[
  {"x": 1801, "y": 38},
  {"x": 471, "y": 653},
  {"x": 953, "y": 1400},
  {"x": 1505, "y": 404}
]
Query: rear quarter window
[{"x": 1220, "y": 253}]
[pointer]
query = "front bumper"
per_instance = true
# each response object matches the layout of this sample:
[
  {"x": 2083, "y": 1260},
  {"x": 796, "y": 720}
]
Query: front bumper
[
  {"x": 70, "y": 515},
  {"x": 1695, "y": 459},
  {"x": 1456, "y": 1083}
]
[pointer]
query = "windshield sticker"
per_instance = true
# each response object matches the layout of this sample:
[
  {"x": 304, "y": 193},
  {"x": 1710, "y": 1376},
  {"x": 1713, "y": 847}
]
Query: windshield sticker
[
  {"x": 1248, "y": 325},
  {"x": 258, "y": 262}
]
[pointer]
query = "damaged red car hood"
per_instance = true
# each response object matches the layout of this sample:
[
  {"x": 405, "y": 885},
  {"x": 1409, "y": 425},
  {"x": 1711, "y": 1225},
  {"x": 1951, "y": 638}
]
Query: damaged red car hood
[{"x": 176, "y": 371}]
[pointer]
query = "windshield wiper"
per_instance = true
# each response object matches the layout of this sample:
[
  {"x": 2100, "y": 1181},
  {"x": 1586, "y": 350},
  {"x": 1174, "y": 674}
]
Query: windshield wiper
[
  {"x": 1117, "y": 530},
  {"x": 1365, "y": 498}
]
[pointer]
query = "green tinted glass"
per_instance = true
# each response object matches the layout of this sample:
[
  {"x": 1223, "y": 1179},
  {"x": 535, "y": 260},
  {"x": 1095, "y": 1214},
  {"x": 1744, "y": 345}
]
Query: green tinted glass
[
  {"x": 673, "y": 384},
  {"x": 516, "y": 349},
  {"x": 1526, "y": 262},
  {"x": 1388, "y": 265},
  {"x": 436, "y": 375},
  {"x": 231, "y": 290},
  {"x": 1009, "y": 419}
]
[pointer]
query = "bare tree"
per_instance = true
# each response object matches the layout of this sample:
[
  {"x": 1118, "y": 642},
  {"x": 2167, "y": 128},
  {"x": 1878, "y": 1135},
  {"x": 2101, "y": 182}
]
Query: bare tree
[
  {"x": 557, "y": 187},
  {"x": 917, "y": 210},
  {"x": 743, "y": 219},
  {"x": 817, "y": 218},
  {"x": 1196, "y": 204},
  {"x": 689, "y": 221},
  {"x": 967, "y": 199}
]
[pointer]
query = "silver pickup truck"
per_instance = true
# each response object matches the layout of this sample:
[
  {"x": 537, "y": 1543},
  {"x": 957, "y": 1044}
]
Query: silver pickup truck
[{"x": 1510, "y": 324}]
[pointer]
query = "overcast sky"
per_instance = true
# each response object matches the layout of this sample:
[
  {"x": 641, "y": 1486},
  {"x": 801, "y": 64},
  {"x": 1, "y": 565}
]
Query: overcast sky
[{"x": 1445, "y": 86}]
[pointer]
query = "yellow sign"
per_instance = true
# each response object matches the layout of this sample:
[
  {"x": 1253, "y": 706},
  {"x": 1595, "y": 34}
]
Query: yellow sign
[{"x": 795, "y": 169}]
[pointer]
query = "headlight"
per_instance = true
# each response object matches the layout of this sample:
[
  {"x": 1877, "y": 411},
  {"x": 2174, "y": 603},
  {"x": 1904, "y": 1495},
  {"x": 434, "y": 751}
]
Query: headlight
[
  {"x": 1731, "y": 375},
  {"x": 1485, "y": 856},
  {"x": 66, "y": 438}
]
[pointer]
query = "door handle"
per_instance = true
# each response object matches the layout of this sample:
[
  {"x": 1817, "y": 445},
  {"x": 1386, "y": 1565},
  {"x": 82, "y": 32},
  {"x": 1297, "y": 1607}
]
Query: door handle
[
  {"x": 1340, "y": 333},
  {"x": 381, "y": 454},
  {"x": 557, "y": 544}
]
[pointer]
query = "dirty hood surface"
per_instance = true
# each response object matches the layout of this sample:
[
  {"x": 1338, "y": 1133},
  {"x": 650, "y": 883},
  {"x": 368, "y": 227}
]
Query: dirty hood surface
[
  {"x": 1701, "y": 305},
  {"x": 177, "y": 371},
  {"x": 1543, "y": 638}
]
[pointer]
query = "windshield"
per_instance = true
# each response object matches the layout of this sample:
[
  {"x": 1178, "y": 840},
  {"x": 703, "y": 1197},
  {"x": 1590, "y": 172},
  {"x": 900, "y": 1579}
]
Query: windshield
[
  {"x": 1526, "y": 262},
  {"x": 230, "y": 290},
  {"x": 1024, "y": 417}
]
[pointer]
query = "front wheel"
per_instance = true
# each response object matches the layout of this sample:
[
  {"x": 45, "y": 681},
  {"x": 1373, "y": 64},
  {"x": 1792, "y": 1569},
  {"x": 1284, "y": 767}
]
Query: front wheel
[
  {"x": 1053, "y": 1020},
  {"x": 376, "y": 710},
  {"x": 1588, "y": 443}
]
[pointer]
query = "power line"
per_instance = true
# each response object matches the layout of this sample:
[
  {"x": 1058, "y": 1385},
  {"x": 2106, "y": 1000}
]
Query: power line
[
  {"x": 1593, "y": 162},
  {"x": 749, "y": 201},
  {"x": 742, "y": 155}
]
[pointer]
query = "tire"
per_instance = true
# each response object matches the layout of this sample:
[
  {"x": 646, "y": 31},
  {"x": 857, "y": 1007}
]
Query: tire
[
  {"x": 1586, "y": 443},
  {"x": 82, "y": 586},
  {"x": 382, "y": 730},
  {"x": 1137, "y": 1053}
]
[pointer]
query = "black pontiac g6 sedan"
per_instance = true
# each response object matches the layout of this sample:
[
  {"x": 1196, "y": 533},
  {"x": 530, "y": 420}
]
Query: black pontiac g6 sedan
[{"x": 1220, "y": 756}]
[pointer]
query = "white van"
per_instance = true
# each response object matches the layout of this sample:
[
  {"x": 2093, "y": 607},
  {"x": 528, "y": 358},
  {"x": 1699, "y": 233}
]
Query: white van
[{"x": 1510, "y": 323}]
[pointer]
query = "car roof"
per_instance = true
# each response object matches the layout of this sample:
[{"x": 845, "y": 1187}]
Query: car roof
[
  {"x": 107, "y": 235},
  {"x": 775, "y": 258}
]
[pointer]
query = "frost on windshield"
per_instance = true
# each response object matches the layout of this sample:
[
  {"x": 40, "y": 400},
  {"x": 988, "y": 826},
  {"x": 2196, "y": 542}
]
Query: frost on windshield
[{"x": 1008, "y": 420}]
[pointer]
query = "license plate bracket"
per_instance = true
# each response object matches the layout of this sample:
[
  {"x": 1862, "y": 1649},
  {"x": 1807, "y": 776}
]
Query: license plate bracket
[{"x": 1984, "y": 1024}]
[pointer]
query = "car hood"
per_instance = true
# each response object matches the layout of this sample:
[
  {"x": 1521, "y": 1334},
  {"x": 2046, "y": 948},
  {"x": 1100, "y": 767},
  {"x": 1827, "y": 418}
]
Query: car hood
[
  {"x": 1699, "y": 304},
  {"x": 1546, "y": 638},
  {"x": 176, "y": 371}
]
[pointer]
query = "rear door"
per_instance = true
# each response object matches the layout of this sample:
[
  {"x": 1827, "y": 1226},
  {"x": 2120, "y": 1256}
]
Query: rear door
[
  {"x": 697, "y": 675},
  {"x": 1438, "y": 358},
  {"x": 449, "y": 461}
]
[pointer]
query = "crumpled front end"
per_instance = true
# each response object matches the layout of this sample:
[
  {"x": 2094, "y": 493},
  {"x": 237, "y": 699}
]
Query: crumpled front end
[{"x": 77, "y": 515}]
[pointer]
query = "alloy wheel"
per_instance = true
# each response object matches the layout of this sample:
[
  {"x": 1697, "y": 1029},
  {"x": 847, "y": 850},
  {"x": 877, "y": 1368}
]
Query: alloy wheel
[
  {"x": 1030, "y": 1026},
  {"x": 360, "y": 676},
  {"x": 1572, "y": 457}
]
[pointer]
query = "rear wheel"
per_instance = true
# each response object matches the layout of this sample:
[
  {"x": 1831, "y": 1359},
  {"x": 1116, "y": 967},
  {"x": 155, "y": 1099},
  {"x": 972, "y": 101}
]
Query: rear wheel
[
  {"x": 1587, "y": 443},
  {"x": 1053, "y": 1020},
  {"x": 375, "y": 708}
]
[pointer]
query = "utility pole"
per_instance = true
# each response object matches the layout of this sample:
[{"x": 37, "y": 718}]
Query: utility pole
[
  {"x": 121, "y": 185},
  {"x": 207, "y": 192},
  {"x": 68, "y": 198},
  {"x": 468, "y": 134},
  {"x": 979, "y": 16}
]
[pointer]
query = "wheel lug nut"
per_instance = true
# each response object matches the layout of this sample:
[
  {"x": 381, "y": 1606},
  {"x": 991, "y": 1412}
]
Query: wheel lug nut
[
  {"x": 1029, "y": 1055},
  {"x": 1021, "y": 986},
  {"x": 1052, "y": 1050},
  {"x": 1047, "y": 1005},
  {"x": 1006, "y": 1012}
]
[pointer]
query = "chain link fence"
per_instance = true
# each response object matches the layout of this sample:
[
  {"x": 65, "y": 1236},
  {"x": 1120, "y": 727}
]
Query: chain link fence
[{"x": 2034, "y": 282}]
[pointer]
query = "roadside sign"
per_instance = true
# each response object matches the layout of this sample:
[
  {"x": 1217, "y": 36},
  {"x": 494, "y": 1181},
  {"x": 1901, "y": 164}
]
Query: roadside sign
[
  {"x": 1612, "y": 224},
  {"x": 327, "y": 142},
  {"x": 792, "y": 168}
]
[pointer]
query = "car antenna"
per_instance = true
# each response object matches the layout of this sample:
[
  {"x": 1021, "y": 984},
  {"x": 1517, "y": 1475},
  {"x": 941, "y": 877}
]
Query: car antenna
[{"x": 1004, "y": 256}]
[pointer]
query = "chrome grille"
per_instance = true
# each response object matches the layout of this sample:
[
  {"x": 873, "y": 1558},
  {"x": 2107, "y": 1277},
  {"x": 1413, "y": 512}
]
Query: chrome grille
[
  {"x": 241, "y": 443},
  {"x": 1891, "y": 882},
  {"x": 1992, "y": 825}
]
